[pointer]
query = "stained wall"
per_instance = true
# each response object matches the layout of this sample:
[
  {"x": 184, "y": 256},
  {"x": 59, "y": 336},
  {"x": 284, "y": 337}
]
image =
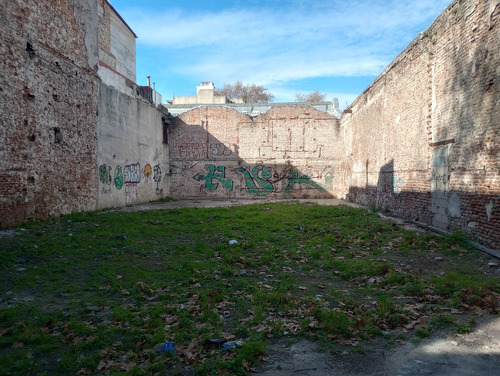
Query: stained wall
[
  {"x": 218, "y": 152},
  {"x": 132, "y": 152},
  {"x": 48, "y": 108},
  {"x": 424, "y": 138}
]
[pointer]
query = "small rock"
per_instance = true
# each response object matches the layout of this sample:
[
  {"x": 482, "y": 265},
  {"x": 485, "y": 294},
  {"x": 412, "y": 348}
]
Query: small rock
[
  {"x": 233, "y": 241},
  {"x": 21, "y": 269},
  {"x": 167, "y": 328},
  {"x": 439, "y": 258},
  {"x": 345, "y": 353},
  {"x": 442, "y": 274},
  {"x": 92, "y": 308},
  {"x": 21, "y": 260},
  {"x": 492, "y": 264}
]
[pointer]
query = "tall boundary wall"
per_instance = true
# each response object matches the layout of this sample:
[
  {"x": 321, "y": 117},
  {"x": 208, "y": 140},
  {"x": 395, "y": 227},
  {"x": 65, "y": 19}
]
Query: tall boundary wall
[
  {"x": 69, "y": 142},
  {"x": 132, "y": 151},
  {"x": 422, "y": 142},
  {"x": 48, "y": 108},
  {"x": 424, "y": 139},
  {"x": 218, "y": 152}
]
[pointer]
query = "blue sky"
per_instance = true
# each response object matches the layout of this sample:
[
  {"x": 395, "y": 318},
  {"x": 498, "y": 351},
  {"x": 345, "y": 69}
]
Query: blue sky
[{"x": 288, "y": 46}]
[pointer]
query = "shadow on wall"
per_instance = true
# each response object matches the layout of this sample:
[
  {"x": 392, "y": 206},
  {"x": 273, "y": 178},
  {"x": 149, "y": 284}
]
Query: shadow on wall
[
  {"x": 202, "y": 166},
  {"x": 473, "y": 213}
]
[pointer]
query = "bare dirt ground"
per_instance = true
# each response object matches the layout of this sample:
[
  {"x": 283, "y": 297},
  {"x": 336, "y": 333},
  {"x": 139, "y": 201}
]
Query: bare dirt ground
[{"x": 476, "y": 353}]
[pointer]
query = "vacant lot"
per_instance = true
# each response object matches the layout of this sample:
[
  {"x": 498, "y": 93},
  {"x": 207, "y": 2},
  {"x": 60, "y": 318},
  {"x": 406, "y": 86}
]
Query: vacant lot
[{"x": 96, "y": 293}]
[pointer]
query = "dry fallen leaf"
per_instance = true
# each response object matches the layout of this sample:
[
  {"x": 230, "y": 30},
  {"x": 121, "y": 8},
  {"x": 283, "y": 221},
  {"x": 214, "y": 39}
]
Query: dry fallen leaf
[{"x": 18, "y": 345}]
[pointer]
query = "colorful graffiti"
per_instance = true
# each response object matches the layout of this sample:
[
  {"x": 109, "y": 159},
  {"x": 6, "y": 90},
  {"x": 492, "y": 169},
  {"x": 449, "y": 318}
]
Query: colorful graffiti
[
  {"x": 258, "y": 180},
  {"x": 147, "y": 171},
  {"x": 132, "y": 173},
  {"x": 157, "y": 176},
  {"x": 105, "y": 174},
  {"x": 217, "y": 173},
  {"x": 118, "y": 177},
  {"x": 294, "y": 178}
]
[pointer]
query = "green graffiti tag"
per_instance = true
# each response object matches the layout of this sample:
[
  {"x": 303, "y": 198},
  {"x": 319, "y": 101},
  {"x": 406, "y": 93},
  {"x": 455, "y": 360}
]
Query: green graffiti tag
[
  {"x": 105, "y": 174},
  {"x": 257, "y": 181},
  {"x": 304, "y": 179},
  {"x": 217, "y": 173},
  {"x": 118, "y": 177}
]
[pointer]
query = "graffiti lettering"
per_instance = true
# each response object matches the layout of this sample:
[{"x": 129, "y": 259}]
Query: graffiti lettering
[
  {"x": 217, "y": 173},
  {"x": 397, "y": 184},
  {"x": 130, "y": 193},
  {"x": 132, "y": 173},
  {"x": 220, "y": 149},
  {"x": 157, "y": 176},
  {"x": 440, "y": 178},
  {"x": 329, "y": 181},
  {"x": 105, "y": 174},
  {"x": 304, "y": 179},
  {"x": 118, "y": 177},
  {"x": 257, "y": 181},
  {"x": 191, "y": 151},
  {"x": 147, "y": 171}
]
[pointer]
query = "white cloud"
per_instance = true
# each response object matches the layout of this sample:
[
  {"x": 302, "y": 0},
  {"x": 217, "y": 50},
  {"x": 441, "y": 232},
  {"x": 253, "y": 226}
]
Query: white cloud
[{"x": 284, "y": 40}]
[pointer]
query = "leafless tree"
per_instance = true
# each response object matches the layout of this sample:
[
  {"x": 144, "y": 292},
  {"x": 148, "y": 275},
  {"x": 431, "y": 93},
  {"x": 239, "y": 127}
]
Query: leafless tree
[
  {"x": 310, "y": 97},
  {"x": 250, "y": 93}
]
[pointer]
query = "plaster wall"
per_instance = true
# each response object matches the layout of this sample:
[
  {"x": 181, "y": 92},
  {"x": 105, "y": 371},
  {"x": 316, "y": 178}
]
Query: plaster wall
[
  {"x": 116, "y": 45},
  {"x": 132, "y": 159}
]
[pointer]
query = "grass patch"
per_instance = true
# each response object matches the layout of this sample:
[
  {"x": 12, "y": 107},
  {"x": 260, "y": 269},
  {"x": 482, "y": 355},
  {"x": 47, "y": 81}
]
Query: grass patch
[{"x": 96, "y": 292}]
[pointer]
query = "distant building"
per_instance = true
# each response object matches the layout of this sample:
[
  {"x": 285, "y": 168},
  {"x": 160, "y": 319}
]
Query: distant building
[
  {"x": 205, "y": 96},
  {"x": 117, "y": 54}
]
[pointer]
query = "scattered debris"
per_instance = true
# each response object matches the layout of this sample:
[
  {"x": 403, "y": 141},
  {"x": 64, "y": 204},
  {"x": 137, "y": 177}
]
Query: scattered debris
[{"x": 229, "y": 345}]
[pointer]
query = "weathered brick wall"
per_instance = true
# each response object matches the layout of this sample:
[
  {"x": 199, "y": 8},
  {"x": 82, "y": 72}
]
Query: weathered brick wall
[
  {"x": 291, "y": 151},
  {"x": 425, "y": 136},
  {"x": 48, "y": 108}
]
